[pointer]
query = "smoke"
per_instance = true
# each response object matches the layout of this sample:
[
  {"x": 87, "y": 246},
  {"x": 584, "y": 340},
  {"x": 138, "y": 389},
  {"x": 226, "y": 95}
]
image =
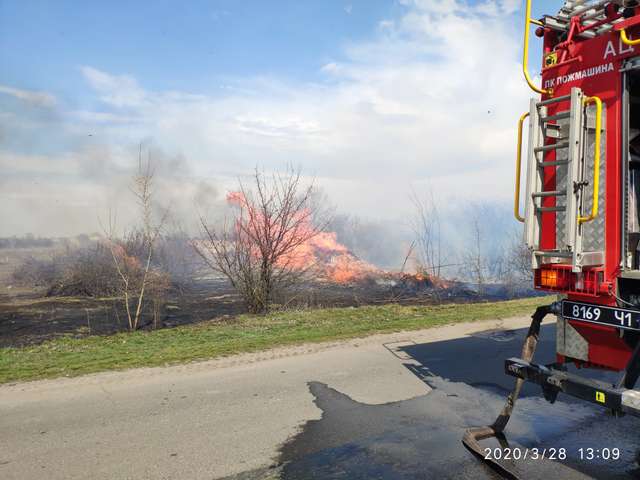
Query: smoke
[
  {"x": 177, "y": 191},
  {"x": 483, "y": 231},
  {"x": 386, "y": 243},
  {"x": 76, "y": 191},
  {"x": 382, "y": 243},
  {"x": 206, "y": 194}
]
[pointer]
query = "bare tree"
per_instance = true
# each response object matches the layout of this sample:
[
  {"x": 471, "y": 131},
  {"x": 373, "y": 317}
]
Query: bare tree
[
  {"x": 517, "y": 270},
  {"x": 474, "y": 258},
  {"x": 426, "y": 228},
  {"x": 133, "y": 253},
  {"x": 261, "y": 249},
  {"x": 520, "y": 258}
]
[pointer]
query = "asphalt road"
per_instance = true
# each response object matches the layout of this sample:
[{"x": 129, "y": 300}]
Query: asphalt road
[{"x": 388, "y": 407}]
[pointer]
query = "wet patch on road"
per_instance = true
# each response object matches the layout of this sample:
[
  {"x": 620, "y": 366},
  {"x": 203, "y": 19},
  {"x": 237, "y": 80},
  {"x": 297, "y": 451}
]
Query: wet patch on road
[
  {"x": 420, "y": 438},
  {"x": 417, "y": 438}
]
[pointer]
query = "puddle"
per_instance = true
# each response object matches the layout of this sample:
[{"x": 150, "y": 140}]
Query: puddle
[{"x": 420, "y": 438}]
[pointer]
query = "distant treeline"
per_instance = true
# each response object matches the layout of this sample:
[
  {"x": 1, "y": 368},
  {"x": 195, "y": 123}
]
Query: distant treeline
[{"x": 31, "y": 241}]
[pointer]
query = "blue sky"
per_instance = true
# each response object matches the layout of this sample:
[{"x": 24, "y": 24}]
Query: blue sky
[
  {"x": 369, "y": 97},
  {"x": 189, "y": 46}
]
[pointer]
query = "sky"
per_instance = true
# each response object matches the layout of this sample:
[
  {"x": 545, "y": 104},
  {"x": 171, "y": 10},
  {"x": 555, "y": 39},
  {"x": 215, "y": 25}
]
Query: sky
[{"x": 371, "y": 98}]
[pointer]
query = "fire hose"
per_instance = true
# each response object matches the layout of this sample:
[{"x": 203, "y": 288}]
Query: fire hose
[{"x": 473, "y": 436}]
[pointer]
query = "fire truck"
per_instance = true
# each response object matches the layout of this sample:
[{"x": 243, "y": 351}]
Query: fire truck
[{"x": 580, "y": 203}]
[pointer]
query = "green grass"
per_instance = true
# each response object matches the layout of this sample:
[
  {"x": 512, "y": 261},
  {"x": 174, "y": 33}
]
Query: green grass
[{"x": 246, "y": 333}]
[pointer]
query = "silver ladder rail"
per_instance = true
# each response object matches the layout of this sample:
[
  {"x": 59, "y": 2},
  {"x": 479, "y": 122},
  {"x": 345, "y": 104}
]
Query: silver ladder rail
[{"x": 569, "y": 137}]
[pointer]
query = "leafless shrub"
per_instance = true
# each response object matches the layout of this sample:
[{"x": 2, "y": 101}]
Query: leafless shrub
[
  {"x": 158, "y": 284},
  {"x": 474, "y": 257},
  {"x": 520, "y": 258},
  {"x": 37, "y": 272},
  {"x": 86, "y": 272},
  {"x": 515, "y": 271},
  {"x": 426, "y": 228},
  {"x": 133, "y": 253},
  {"x": 260, "y": 249},
  {"x": 492, "y": 252},
  {"x": 135, "y": 267}
]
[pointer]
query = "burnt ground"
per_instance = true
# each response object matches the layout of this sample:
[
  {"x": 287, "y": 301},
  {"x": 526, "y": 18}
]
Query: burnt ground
[
  {"x": 28, "y": 316},
  {"x": 420, "y": 438}
]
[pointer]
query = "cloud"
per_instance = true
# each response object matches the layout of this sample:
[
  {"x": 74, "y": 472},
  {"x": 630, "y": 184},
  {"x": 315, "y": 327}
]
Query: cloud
[
  {"x": 89, "y": 117},
  {"x": 39, "y": 99},
  {"x": 432, "y": 98},
  {"x": 117, "y": 90},
  {"x": 284, "y": 128}
]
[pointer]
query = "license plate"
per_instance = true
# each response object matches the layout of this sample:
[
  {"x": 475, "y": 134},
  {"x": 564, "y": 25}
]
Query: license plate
[{"x": 616, "y": 317}]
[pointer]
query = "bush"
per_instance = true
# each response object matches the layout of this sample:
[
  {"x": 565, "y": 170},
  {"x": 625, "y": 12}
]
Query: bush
[
  {"x": 86, "y": 272},
  {"x": 34, "y": 272}
]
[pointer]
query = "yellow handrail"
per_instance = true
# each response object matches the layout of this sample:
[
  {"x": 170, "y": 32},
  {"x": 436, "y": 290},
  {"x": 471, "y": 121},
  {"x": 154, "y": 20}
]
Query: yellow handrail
[
  {"x": 525, "y": 52},
  {"x": 596, "y": 160},
  {"x": 626, "y": 40},
  {"x": 516, "y": 200}
]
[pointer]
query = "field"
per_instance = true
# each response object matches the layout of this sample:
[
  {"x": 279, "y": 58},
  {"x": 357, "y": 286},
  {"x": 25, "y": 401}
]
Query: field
[
  {"x": 45, "y": 336},
  {"x": 28, "y": 316},
  {"x": 67, "y": 356}
]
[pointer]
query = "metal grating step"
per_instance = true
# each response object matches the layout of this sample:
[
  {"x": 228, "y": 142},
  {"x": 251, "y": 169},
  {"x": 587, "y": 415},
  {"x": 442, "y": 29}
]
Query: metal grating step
[
  {"x": 557, "y": 116},
  {"x": 554, "y": 163},
  {"x": 550, "y": 209},
  {"x": 551, "y": 193},
  {"x": 553, "y": 253},
  {"x": 552, "y": 146}
]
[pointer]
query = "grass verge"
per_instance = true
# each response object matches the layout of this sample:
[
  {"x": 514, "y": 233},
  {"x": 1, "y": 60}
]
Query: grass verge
[{"x": 245, "y": 333}]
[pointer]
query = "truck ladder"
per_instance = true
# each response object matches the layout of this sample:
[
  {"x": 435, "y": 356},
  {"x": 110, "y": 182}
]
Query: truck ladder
[{"x": 564, "y": 133}]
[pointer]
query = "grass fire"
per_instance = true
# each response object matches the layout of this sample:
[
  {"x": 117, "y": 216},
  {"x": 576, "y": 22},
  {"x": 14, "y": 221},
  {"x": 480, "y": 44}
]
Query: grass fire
[
  {"x": 272, "y": 243},
  {"x": 294, "y": 240}
]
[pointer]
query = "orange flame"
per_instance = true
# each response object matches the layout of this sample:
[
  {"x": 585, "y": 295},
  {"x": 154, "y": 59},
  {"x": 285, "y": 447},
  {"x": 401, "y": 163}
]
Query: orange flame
[{"x": 321, "y": 253}]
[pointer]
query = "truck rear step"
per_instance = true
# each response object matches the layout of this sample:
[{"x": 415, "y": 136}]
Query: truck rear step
[{"x": 553, "y": 381}]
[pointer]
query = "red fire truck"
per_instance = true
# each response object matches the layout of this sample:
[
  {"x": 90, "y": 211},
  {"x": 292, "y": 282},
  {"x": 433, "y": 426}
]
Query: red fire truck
[{"x": 581, "y": 202}]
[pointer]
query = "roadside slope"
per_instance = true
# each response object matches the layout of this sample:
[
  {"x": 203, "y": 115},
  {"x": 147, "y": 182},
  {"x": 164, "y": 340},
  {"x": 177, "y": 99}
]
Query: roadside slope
[{"x": 245, "y": 333}]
